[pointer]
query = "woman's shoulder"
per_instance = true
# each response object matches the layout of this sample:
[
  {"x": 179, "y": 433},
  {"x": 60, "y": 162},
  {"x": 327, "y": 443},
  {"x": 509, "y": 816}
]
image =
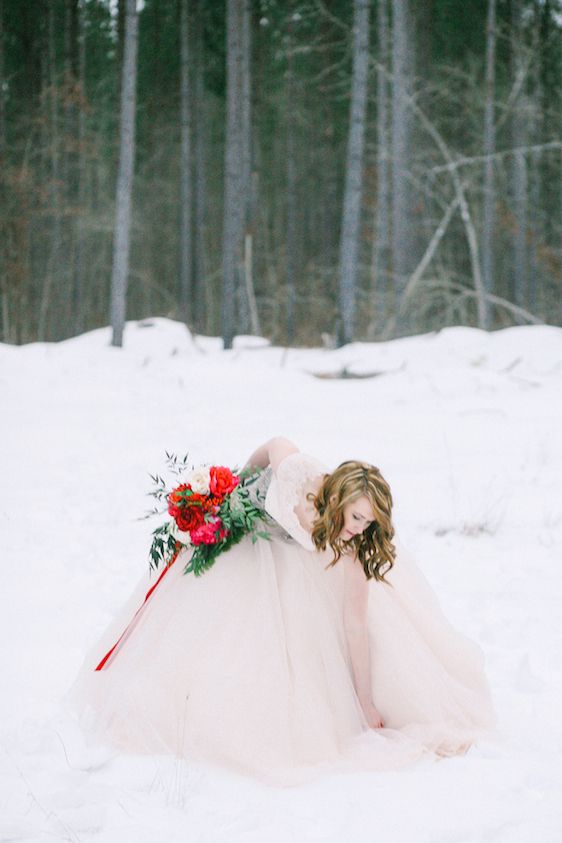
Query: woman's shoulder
[
  {"x": 300, "y": 466},
  {"x": 278, "y": 449},
  {"x": 286, "y": 458}
]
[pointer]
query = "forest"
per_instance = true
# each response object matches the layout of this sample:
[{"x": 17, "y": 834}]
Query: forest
[{"x": 312, "y": 171}]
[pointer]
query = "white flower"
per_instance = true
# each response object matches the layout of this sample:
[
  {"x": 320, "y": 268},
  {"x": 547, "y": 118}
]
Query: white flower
[
  {"x": 180, "y": 535},
  {"x": 199, "y": 480}
]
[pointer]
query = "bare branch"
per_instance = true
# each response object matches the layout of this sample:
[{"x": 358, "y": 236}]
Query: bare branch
[
  {"x": 478, "y": 159},
  {"x": 421, "y": 267},
  {"x": 467, "y": 292},
  {"x": 327, "y": 14},
  {"x": 471, "y": 237}
]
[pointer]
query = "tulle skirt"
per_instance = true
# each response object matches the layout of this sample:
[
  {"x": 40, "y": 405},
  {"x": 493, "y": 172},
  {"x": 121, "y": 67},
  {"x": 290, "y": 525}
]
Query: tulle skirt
[{"x": 247, "y": 666}]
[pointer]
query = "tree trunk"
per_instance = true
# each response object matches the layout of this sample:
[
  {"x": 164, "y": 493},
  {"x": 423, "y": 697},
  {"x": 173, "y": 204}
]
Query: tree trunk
[
  {"x": 243, "y": 278},
  {"x": 380, "y": 256},
  {"x": 3, "y": 87},
  {"x": 349, "y": 238},
  {"x": 123, "y": 202},
  {"x": 233, "y": 198},
  {"x": 519, "y": 166},
  {"x": 4, "y": 294},
  {"x": 400, "y": 125},
  {"x": 186, "y": 252},
  {"x": 80, "y": 265},
  {"x": 55, "y": 245},
  {"x": 70, "y": 166},
  {"x": 488, "y": 213},
  {"x": 291, "y": 175},
  {"x": 199, "y": 310}
]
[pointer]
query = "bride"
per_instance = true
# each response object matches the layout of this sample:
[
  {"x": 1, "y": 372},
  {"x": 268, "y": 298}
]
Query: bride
[{"x": 320, "y": 648}]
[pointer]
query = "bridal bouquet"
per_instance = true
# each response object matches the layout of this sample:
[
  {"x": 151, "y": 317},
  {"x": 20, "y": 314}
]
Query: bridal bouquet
[{"x": 211, "y": 510}]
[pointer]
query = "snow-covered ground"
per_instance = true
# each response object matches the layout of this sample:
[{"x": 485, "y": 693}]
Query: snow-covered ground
[{"x": 465, "y": 425}]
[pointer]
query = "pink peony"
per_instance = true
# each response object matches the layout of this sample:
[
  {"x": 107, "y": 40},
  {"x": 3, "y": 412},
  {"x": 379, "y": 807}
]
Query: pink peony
[{"x": 208, "y": 533}]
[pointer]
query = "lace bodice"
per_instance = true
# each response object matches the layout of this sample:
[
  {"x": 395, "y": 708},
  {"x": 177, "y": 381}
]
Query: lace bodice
[{"x": 287, "y": 490}]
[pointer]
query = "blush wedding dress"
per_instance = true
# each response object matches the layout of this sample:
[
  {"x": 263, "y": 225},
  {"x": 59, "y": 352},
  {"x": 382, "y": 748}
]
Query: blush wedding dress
[{"x": 247, "y": 666}]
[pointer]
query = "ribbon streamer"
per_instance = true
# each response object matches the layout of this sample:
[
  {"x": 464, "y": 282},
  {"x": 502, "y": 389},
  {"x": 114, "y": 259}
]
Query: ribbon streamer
[{"x": 129, "y": 628}]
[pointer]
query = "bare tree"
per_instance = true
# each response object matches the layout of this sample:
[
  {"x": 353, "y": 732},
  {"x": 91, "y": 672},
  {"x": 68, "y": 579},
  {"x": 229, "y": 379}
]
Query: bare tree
[
  {"x": 488, "y": 212},
  {"x": 186, "y": 263},
  {"x": 349, "y": 238},
  {"x": 400, "y": 144},
  {"x": 198, "y": 313},
  {"x": 520, "y": 116},
  {"x": 451, "y": 166},
  {"x": 233, "y": 214},
  {"x": 80, "y": 260},
  {"x": 244, "y": 277},
  {"x": 122, "y": 228},
  {"x": 55, "y": 182},
  {"x": 2, "y": 85},
  {"x": 291, "y": 153},
  {"x": 4, "y": 303},
  {"x": 380, "y": 257},
  {"x": 61, "y": 153}
]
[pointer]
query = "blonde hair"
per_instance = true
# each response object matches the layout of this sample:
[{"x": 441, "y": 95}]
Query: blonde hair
[{"x": 373, "y": 547}]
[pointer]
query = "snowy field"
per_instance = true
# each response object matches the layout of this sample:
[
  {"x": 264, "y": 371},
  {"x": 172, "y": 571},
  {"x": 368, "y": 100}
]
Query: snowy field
[{"x": 465, "y": 425}]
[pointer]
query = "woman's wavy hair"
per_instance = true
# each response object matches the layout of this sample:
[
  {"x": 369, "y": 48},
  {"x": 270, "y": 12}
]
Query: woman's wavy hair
[{"x": 373, "y": 547}]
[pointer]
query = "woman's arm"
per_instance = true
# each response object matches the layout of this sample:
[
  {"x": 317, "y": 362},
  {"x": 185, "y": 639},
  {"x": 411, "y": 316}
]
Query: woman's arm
[
  {"x": 356, "y": 597},
  {"x": 272, "y": 453}
]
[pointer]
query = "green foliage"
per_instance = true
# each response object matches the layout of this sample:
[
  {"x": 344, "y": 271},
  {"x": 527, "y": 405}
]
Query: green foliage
[
  {"x": 163, "y": 546},
  {"x": 241, "y": 520},
  {"x": 240, "y": 515}
]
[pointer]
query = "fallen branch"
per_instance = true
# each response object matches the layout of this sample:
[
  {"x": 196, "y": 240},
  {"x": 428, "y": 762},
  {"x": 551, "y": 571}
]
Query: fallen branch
[{"x": 497, "y": 300}]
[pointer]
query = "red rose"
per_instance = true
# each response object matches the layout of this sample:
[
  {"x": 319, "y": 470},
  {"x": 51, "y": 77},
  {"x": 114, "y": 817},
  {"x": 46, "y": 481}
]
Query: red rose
[
  {"x": 186, "y": 507},
  {"x": 183, "y": 496},
  {"x": 189, "y": 518},
  {"x": 176, "y": 498},
  {"x": 222, "y": 480}
]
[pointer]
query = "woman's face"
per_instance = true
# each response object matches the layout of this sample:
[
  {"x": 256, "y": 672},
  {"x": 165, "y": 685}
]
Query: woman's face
[{"x": 357, "y": 515}]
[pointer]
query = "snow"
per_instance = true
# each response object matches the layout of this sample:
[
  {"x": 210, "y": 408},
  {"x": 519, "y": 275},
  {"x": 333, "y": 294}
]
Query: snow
[{"x": 466, "y": 427}]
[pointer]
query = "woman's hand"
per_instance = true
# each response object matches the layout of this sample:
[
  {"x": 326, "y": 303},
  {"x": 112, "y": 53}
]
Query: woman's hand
[{"x": 372, "y": 716}]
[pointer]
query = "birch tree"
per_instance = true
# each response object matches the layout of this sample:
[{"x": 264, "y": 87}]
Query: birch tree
[
  {"x": 349, "y": 237},
  {"x": 123, "y": 199},
  {"x": 488, "y": 212}
]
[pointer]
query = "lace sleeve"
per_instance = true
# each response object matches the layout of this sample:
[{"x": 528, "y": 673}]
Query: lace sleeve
[{"x": 288, "y": 489}]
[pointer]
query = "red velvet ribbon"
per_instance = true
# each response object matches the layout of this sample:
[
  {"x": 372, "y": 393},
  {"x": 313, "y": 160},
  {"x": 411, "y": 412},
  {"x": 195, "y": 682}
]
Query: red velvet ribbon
[{"x": 130, "y": 626}]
